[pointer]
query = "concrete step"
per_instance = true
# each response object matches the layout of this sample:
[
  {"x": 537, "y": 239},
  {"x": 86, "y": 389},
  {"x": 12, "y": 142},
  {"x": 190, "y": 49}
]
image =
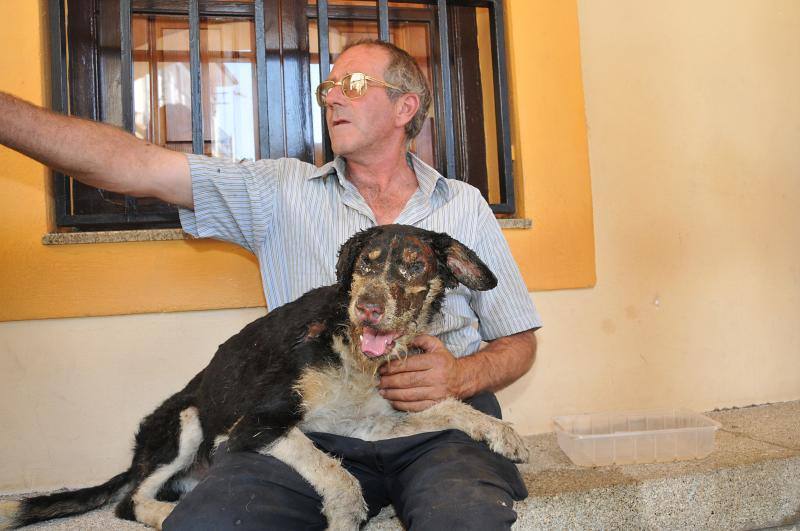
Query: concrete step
[{"x": 751, "y": 481}]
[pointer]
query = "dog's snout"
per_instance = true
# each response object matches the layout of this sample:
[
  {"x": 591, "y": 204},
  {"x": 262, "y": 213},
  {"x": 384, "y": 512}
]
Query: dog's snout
[{"x": 369, "y": 312}]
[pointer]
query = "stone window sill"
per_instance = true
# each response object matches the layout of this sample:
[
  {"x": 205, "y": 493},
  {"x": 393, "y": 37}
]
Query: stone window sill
[{"x": 159, "y": 235}]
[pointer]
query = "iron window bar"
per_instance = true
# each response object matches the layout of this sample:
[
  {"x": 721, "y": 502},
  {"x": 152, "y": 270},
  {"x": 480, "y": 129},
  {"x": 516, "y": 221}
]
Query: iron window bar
[
  {"x": 126, "y": 82},
  {"x": 503, "y": 113},
  {"x": 195, "y": 75},
  {"x": 59, "y": 95},
  {"x": 383, "y": 20},
  {"x": 444, "y": 64},
  {"x": 261, "y": 73},
  {"x": 126, "y": 70},
  {"x": 323, "y": 36}
]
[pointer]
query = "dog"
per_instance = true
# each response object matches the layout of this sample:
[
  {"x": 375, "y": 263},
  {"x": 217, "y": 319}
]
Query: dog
[{"x": 310, "y": 365}]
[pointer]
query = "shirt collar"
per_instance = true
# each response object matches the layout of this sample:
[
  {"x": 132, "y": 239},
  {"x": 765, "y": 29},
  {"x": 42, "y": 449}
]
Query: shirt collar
[
  {"x": 336, "y": 166},
  {"x": 428, "y": 179}
]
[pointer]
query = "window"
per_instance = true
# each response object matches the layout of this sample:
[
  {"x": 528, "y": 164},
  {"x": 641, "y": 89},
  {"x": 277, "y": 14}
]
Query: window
[{"x": 235, "y": 78}]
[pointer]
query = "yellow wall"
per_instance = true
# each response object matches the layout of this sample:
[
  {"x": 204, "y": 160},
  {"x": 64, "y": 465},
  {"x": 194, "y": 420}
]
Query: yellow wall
[{"x": 121, "y": 278}]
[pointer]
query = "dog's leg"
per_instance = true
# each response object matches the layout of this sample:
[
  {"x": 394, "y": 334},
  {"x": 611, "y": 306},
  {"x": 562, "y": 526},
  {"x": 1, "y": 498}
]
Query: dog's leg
[
  {"x": 9, "y": 509},
  {"x": 342, "y": 502},
  {"x": 146, "y": 508},
  {"x": 454, "y": 414}
]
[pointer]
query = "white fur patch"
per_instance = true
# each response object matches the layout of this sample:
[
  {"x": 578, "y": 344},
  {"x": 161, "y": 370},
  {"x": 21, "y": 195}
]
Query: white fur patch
[
  {"x": 219, "y": 439},
  {"x": 8, "y": 513},
  {"x": 147, "y": 509},
  {"x": 342, "y": 502},
  {"x": 344, "y": 400}
]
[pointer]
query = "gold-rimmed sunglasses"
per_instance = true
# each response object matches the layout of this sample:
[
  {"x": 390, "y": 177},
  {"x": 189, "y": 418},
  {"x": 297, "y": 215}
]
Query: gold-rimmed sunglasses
[{"x": 353, "y": 85}]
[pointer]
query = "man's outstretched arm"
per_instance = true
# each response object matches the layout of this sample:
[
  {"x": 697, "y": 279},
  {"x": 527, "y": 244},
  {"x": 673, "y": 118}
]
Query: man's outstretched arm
[{"x": 94, "y": 153}]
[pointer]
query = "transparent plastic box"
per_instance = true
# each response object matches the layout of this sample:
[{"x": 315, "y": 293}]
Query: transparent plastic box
[{"x": 627, "y": 437}]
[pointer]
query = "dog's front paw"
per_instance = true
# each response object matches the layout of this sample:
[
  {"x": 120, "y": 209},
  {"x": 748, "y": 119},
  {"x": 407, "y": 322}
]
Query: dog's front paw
[
  {"x": 348, "y": 509},
  {"x": 346, "y": 519},
  {"x": 507, "y": 442}
]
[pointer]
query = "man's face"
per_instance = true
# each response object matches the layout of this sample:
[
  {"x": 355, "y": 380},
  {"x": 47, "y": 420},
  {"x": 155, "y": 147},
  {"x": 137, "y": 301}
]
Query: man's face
[{"x": 365, "y": 124}]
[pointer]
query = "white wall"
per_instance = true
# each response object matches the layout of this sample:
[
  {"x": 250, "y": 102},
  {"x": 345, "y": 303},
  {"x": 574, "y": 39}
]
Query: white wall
[{"x": 72, "y": 391}]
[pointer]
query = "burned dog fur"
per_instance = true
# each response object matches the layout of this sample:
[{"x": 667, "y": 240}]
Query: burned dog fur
[{"x": 310, "y": 365}]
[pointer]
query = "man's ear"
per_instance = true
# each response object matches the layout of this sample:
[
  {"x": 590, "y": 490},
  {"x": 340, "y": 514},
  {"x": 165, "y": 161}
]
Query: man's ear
[{"x": 406, "y": 107}]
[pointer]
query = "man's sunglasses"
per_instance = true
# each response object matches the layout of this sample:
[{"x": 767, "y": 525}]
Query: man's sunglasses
[{"x": 353, "y": 86}]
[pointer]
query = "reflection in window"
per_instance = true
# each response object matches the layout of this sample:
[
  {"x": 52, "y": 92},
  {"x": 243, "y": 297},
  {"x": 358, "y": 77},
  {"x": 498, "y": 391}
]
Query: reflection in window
[{"x": 162, "y": 85}]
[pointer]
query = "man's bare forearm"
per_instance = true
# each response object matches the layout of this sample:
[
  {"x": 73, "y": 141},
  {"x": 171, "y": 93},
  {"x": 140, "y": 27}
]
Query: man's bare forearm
[
  {"x": 499, "y": 364},
  {"x": 94, "y": 153}
]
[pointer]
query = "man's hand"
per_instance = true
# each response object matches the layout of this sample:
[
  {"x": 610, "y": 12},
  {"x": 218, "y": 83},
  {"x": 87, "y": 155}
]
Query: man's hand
[{"x": 421, "y": 380}]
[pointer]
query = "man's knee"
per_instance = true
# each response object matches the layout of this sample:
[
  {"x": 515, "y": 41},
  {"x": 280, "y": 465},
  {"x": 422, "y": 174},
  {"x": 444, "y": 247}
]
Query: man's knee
[
  {"x": 458, "y": 483},
  {"x": 462, "y": 503}
]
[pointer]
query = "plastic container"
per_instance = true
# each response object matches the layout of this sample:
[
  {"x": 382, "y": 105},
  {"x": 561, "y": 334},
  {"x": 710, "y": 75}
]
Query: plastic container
[{"x": 635, "y": 436}]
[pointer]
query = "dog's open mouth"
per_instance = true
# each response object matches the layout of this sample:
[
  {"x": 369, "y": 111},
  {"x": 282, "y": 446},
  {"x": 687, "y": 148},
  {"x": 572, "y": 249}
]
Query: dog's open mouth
[{"x": 375, "y": 343}]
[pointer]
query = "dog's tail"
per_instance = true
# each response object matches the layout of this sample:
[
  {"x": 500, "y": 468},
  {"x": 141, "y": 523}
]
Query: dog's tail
[{"x": 15, "y": 514}]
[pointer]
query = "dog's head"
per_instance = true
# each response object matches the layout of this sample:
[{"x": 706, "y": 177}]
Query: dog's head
[{"x": 396, "y": 276}]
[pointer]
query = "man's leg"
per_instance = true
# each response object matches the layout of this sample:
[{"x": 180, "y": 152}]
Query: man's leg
[
  {"x": 436, "y": 480},
  {"x": 248, "y": 491},
  {"x": 446, "y": 480}
]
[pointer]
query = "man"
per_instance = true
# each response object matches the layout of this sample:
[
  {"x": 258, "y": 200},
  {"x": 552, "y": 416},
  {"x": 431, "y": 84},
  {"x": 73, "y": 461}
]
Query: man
[{"x": 294, "y": 217}]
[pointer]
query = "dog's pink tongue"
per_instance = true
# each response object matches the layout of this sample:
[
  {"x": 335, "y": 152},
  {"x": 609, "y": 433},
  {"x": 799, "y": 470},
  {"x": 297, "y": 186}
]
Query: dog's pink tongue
[{"x": 374, "y": 344}]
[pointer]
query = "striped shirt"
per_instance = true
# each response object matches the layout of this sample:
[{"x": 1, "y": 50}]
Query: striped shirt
[{"x": 294, "y": 217}]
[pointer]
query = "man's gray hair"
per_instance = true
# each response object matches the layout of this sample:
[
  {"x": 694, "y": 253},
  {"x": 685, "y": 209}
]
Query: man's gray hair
[{"x": 404, "y": 72}]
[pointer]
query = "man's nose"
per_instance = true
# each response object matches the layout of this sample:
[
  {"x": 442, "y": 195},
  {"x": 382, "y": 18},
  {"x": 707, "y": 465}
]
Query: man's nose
[{"x": 335, "y": 96}]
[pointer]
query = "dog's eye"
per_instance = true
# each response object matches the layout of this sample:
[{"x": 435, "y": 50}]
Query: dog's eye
[
  {"x": 367, "y": 261},
  {"x": 411, "y": 270}
]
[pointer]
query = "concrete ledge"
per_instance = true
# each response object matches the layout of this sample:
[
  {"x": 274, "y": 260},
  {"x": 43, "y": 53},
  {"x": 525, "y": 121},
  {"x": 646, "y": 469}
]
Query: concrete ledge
[
  {"x": 751, "y": 481},
  {"x": 114, "y": 236},
  {"x": 159, "y": 235}
]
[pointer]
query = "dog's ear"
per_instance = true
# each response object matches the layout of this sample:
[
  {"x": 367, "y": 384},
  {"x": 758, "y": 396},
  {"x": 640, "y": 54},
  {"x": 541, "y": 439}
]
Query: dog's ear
[
  {"x": 348, "y": 254},
  {"x": 463, "y": 264}
]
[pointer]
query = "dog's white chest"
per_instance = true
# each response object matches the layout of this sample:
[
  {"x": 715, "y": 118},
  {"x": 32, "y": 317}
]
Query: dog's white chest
[{"x": 344, "y": 402}]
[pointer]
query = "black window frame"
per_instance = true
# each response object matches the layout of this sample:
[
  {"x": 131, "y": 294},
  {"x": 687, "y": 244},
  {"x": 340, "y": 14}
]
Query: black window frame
[{"x": 77, "y": 90}]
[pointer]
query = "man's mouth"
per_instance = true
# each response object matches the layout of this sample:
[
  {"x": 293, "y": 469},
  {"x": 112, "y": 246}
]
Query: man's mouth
[
  {"x": 375, "y": 344},
  {"x": 339, "y": 121}
]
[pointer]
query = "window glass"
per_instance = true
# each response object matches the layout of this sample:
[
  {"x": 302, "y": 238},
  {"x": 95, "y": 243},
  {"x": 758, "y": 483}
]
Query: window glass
[{"x": 162, "y": 84}]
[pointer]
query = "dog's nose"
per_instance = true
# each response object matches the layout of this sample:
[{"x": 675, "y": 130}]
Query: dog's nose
[{"x": 369, "y": 312}]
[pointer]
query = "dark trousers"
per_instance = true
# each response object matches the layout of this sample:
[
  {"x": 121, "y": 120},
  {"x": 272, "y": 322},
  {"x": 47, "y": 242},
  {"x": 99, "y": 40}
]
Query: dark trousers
[{"x": 439, "y": 480}]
